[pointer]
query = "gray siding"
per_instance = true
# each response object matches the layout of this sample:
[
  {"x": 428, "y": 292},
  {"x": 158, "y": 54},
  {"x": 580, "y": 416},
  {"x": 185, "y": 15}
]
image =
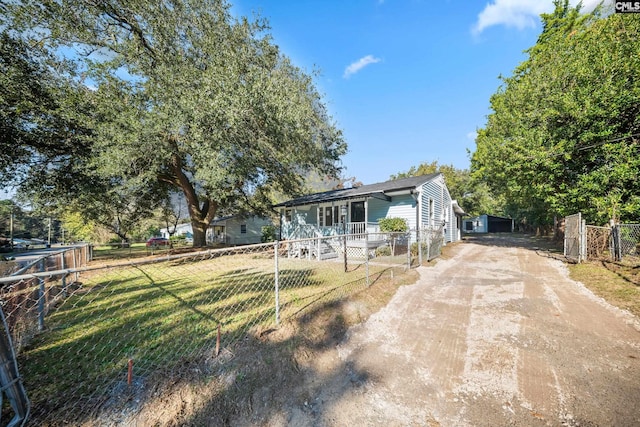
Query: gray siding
[
  {"x": 377, "y": 209},
  {"x": 432, "y": 191},
  {"x": 437, "y": 192},
  {"x": 233, "y": 230},
  {"x": 404, "y": 207}
]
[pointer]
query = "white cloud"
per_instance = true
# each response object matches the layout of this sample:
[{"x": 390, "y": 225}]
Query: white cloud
[
  {"x": 472, "y": 135},
  {"x": 359, "y": 65},
  {"x": 520, "y": 14}
]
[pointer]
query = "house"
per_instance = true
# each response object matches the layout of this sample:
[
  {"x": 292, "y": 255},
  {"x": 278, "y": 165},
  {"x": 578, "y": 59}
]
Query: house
[
  {"x": 237, "y": 230},
  {"x": 488, "y": 224},
  {"x": 230, "y": 230},
  {"x": 179, "y": 230},
  {"x": 423, "y": 201}
]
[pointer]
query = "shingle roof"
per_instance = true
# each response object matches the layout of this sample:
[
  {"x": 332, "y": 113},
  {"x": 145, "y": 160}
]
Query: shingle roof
[{"x": 363, "y": 190}]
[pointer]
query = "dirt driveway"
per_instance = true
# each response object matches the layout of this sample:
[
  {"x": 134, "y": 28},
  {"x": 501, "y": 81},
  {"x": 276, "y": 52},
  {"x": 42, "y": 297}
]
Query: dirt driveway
[{"x": 495, "y": 336}]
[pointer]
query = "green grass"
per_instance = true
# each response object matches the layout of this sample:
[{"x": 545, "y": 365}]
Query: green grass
[
  {"x": 616, "y": 282},
  {"x": 161, "y": 315},
  {"x": 108, "y": 252}
]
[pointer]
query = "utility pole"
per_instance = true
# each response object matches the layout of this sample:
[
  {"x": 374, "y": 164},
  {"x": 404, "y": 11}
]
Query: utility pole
[{"x": 11, "y": 229}]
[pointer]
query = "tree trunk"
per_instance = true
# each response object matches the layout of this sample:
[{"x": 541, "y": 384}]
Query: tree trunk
[
  {"x": 199, "y": 232},
  {"x": 201, "y": 214}
]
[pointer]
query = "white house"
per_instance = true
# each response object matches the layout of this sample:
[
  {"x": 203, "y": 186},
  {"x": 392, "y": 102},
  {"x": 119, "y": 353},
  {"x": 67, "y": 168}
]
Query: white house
[
  {"x": 423, "y": 201},
  {"x": 237, "y": 230}
]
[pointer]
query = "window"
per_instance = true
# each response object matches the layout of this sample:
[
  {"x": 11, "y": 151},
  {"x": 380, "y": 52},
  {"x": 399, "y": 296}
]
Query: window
[
  {"x": 432, "y": 214},
  {"x": 243, "y": 229},
  {"x": 329, "y": 216},
  {"x": 357, "y": 212}
]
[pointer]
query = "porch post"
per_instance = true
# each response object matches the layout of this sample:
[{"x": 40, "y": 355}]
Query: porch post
[{"x": 366, "y": 214}]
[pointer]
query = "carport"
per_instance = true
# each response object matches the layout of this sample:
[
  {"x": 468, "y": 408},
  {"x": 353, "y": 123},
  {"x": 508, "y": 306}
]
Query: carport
[
  {"x": 496, "y": 224},
  {"x": 488, "y": 224}
]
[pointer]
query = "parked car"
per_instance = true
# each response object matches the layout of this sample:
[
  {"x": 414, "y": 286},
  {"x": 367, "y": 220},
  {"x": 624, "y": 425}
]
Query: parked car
[{"x": 158, "y": 241}]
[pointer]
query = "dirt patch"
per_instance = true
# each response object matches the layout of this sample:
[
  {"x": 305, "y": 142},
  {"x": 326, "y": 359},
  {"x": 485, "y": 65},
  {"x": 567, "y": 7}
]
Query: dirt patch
[
  {"x": 261, "y": 381},
  {"x": 496, "y": 333}
]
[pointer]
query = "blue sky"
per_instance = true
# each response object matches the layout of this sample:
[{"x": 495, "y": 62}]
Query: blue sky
[{"x": 407, "y": 81}]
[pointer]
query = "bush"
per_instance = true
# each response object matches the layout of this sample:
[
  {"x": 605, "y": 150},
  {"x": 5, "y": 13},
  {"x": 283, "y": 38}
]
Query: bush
[
  {"x": 117, "y": 243},
  {"x": 393, "y": 225},
  {"x": 383, "y": 251},
  {"x": 414, "y": 249},
  {"x": 178, "y": 238},
  {"x": 268, "y": 234}
]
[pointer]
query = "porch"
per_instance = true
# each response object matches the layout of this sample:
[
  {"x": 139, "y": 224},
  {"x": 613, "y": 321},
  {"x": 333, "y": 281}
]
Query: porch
[
  {"x": 353, "y": 230},
  {"x": 360, "y": 240}
]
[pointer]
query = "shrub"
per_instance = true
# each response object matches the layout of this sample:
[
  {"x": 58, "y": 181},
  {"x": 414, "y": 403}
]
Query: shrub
[
  {"x": 268, "y": 233},
  {"x": 414, "y": 249},
  {"x": 383, "y": 251},
  {"x": 393, "y": 225}
]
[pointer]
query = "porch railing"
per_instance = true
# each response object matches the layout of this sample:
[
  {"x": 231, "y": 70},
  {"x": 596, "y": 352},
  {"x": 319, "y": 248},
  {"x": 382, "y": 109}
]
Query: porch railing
[{"x": 307, "y": 231}]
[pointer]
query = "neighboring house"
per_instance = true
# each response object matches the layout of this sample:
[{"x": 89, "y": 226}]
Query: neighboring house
[
  {"x": 237, "y": 230},
  {"x": 488, "y": 224},
  {"x": 230, "y": 230},
  {"x": 180, "y": 230},
  {"x": 423, "y": 201}
]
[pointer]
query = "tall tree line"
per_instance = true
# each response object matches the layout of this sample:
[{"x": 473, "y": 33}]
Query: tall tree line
[{"x": 563, "y": 133}]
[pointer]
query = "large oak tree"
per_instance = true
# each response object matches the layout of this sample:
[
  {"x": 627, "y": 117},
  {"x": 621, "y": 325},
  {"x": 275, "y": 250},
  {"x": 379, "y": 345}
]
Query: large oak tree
[{"x": 190, "y": 97}]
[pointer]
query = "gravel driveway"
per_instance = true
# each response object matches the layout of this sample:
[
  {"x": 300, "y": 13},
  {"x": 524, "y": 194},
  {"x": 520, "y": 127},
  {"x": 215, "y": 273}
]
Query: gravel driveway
[{"x": 495, "y": 336}]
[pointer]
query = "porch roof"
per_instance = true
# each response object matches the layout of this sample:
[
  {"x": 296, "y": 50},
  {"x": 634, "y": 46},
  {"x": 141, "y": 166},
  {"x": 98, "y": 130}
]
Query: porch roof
[{"x": 379, "y": 190}]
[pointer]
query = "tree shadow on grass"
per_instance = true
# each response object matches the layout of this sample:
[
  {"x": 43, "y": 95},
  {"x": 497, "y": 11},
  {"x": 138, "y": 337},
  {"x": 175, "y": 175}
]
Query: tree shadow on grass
[
  {"x": 266, "y": 378},
  {"x": 74, "y": 368},
  {"x": 630, "y": 273}
]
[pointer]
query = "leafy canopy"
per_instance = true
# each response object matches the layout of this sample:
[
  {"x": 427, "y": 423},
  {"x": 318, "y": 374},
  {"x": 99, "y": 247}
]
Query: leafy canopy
[
  {"x": 562, "y": 136},
  {"x": 189, "y": 97}
]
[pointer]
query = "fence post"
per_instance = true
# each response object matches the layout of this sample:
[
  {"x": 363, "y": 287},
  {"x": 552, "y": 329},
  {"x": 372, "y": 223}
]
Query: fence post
[
  {"x": 419, "y": 234},
  {"x": 366, "y": 256},
  {"x": 615, "y": 237},
  {"x": 344, "y": 247},
  {"x": 408, "y": 235},
  {"x": 276, "y": 248},
  {"x": 41, "y": 297},
  {"x": 583, "y": 241},
  {"x": 75, "y": 264},
  {"x": 10, "y": 379},
  {"x": 318, "y": 248},
  {"x": 64, "y": 276}
]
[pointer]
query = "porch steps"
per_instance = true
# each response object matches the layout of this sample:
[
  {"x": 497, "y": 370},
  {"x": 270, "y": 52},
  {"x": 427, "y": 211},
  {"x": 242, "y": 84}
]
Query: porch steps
[{"x": 310, "y": 251}]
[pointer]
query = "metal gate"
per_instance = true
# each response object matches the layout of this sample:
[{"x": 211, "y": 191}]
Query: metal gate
[{"x": 575, "y": 237}]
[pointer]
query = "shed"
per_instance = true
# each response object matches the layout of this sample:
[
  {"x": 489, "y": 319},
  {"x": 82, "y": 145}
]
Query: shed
[{"x": 488, "y": 224}]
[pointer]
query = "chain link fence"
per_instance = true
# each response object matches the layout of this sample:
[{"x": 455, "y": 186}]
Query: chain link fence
[
  {"x": 87, "y": 338},
  {"x": 574, "y": 237},
  {"x": 589, "y": 242},
  {"x": 628, "y": 237},
  {"x": 431, "y": 242},
  {"x": 598, "y": 242}
]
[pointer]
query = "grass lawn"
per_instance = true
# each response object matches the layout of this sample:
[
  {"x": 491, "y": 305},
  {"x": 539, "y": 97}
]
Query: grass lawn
[
  {"x": 616, "y": 282},
  {"x": 162, "y": 315},
  {"x": 108, "y": 252}
]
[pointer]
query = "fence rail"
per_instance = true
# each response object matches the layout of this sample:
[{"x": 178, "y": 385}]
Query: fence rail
[{"x": 86, "y": 335}]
